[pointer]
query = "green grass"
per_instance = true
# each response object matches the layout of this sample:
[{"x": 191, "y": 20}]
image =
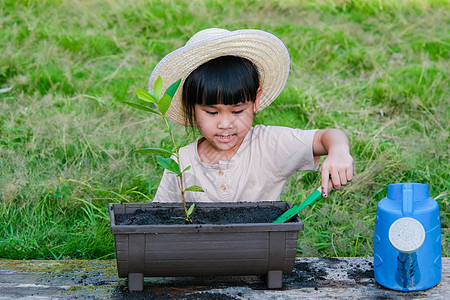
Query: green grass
[{"x": 376, "y": 69}]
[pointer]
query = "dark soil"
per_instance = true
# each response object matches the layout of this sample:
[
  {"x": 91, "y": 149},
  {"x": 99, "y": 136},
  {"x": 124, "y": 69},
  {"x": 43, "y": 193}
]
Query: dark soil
[
  {"x": 359, "y": 275},
  {"x": 145, "y": 295},
  {"x": 208, "y": 296},
  {"x": 303, "y": 276},
  {"x": 222, "y": 216}
]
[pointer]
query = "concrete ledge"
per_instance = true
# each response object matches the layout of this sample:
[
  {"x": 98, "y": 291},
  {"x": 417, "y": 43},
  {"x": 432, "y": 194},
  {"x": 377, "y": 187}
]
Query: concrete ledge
[{"x": 329, "y": 278}]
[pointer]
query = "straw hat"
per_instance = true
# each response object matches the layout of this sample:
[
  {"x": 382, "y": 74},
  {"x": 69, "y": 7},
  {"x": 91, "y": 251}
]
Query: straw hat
[{"x": 265, "y": 50}]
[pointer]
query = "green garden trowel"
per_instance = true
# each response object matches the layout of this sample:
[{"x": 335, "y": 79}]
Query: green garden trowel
[{"x": 316, "y": 195}]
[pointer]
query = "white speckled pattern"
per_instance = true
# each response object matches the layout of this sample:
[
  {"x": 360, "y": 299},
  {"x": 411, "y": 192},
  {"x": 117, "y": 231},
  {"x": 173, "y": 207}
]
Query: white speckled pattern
[{"x": 406, "y": 235}]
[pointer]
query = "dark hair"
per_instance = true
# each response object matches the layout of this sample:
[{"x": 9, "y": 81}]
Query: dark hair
[{"x": 225, "y": 80}]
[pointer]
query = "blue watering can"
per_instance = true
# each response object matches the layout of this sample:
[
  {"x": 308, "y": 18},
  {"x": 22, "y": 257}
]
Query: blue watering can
[{"x": 407, "y": 240}]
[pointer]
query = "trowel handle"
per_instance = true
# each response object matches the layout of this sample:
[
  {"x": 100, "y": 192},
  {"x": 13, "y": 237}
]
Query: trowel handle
[{"x": 316, "y": 195}]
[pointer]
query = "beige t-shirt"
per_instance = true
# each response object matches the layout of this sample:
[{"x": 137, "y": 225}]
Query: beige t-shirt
[{"x": 257, "y": 172}]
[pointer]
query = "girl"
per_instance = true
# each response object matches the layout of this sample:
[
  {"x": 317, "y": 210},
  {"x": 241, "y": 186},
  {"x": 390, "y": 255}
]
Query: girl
[{"x": 227, "y": 77}]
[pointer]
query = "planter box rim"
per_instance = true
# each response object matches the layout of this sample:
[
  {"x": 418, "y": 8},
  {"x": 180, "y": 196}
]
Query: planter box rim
[{"x": 232, "y": 227}]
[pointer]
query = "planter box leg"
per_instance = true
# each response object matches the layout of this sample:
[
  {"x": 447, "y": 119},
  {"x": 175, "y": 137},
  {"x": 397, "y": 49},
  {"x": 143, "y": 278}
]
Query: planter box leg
[
  {"x": 135, "y": 282},
  {"x": 274, "y": 279}
]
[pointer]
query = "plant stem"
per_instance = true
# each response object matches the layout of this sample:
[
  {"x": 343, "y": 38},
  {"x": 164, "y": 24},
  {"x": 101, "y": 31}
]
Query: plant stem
[
  {"x": 176, "y": 150},
  {"x": 171, "y": 135}
]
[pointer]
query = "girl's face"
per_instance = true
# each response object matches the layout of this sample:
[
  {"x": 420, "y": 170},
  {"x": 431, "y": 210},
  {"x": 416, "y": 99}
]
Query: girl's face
[{"x": 224, "y": 128}]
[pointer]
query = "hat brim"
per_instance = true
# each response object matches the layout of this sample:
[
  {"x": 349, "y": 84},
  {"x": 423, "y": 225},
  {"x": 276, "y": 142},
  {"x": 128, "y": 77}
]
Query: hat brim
[{"x": 265, "y": 50}]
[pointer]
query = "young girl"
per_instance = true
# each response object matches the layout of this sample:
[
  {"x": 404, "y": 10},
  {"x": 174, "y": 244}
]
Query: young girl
[{"x": 227, "y": 77}]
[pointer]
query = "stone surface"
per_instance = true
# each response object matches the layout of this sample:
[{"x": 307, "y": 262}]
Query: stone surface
[{"x": 329, "y": 278}]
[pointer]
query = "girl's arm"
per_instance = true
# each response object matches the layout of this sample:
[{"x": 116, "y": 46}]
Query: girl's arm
[{"x": 339, "y": 163}]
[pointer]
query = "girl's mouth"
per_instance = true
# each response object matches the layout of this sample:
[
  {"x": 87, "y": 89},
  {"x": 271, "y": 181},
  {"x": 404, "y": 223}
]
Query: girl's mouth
[{"x": 225, "y": 138}]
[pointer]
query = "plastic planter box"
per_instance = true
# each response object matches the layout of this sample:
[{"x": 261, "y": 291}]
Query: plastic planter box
[{"x": 204, "y": 250}]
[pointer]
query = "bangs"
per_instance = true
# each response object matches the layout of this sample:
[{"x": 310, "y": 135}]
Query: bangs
[{"x": 227, "y": 80}]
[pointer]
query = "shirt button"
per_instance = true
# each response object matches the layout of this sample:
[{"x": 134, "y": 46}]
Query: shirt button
[
  {"x": 221, "y": 172},
  {"x": 223, "y": 187}
]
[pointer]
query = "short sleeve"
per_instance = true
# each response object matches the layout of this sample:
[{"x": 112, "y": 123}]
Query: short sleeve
[{"x": 290, "y": 150}]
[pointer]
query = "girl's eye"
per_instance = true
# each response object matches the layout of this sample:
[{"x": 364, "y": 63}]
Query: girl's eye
[
  {"x": 238, "y": 112},
  {"x": 211, "y": 113}
]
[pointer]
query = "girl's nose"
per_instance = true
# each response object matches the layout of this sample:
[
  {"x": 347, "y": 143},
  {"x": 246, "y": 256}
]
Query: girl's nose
[{"x": 225, "y": 122}]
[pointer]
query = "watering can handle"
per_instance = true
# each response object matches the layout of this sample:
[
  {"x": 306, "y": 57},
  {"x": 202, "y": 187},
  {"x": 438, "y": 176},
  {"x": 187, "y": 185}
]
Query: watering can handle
[{"x": 407, "y": 200}]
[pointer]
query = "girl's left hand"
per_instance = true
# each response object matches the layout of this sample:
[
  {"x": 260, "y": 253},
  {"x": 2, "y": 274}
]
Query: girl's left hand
[
  {"x": 339, "y": 168},
  {"x": 339, "y": 163}
]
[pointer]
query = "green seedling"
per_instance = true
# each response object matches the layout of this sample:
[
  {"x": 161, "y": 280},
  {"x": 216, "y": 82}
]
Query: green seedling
[{"x": 158, "y": 103}]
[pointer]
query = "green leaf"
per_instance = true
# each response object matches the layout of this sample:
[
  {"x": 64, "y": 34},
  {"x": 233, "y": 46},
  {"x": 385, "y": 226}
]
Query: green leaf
[
  {"x": 194, "y": 188},
  {"x": 187, "y": 168},
  {"x": 164, "y": 103},
  {"x": 159, "y": 151},
  {"x": 141, "y": 107},
  {"x": 145, "y": 96},
  {"x": 157, "y": 89},
  {"x": 173, "y": 88},
  {"x": 168, "y": 164},
  {"x": 190, "y": 210}
]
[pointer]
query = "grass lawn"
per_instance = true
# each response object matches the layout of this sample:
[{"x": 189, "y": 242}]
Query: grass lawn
[{"x": 376, "y": 69}]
